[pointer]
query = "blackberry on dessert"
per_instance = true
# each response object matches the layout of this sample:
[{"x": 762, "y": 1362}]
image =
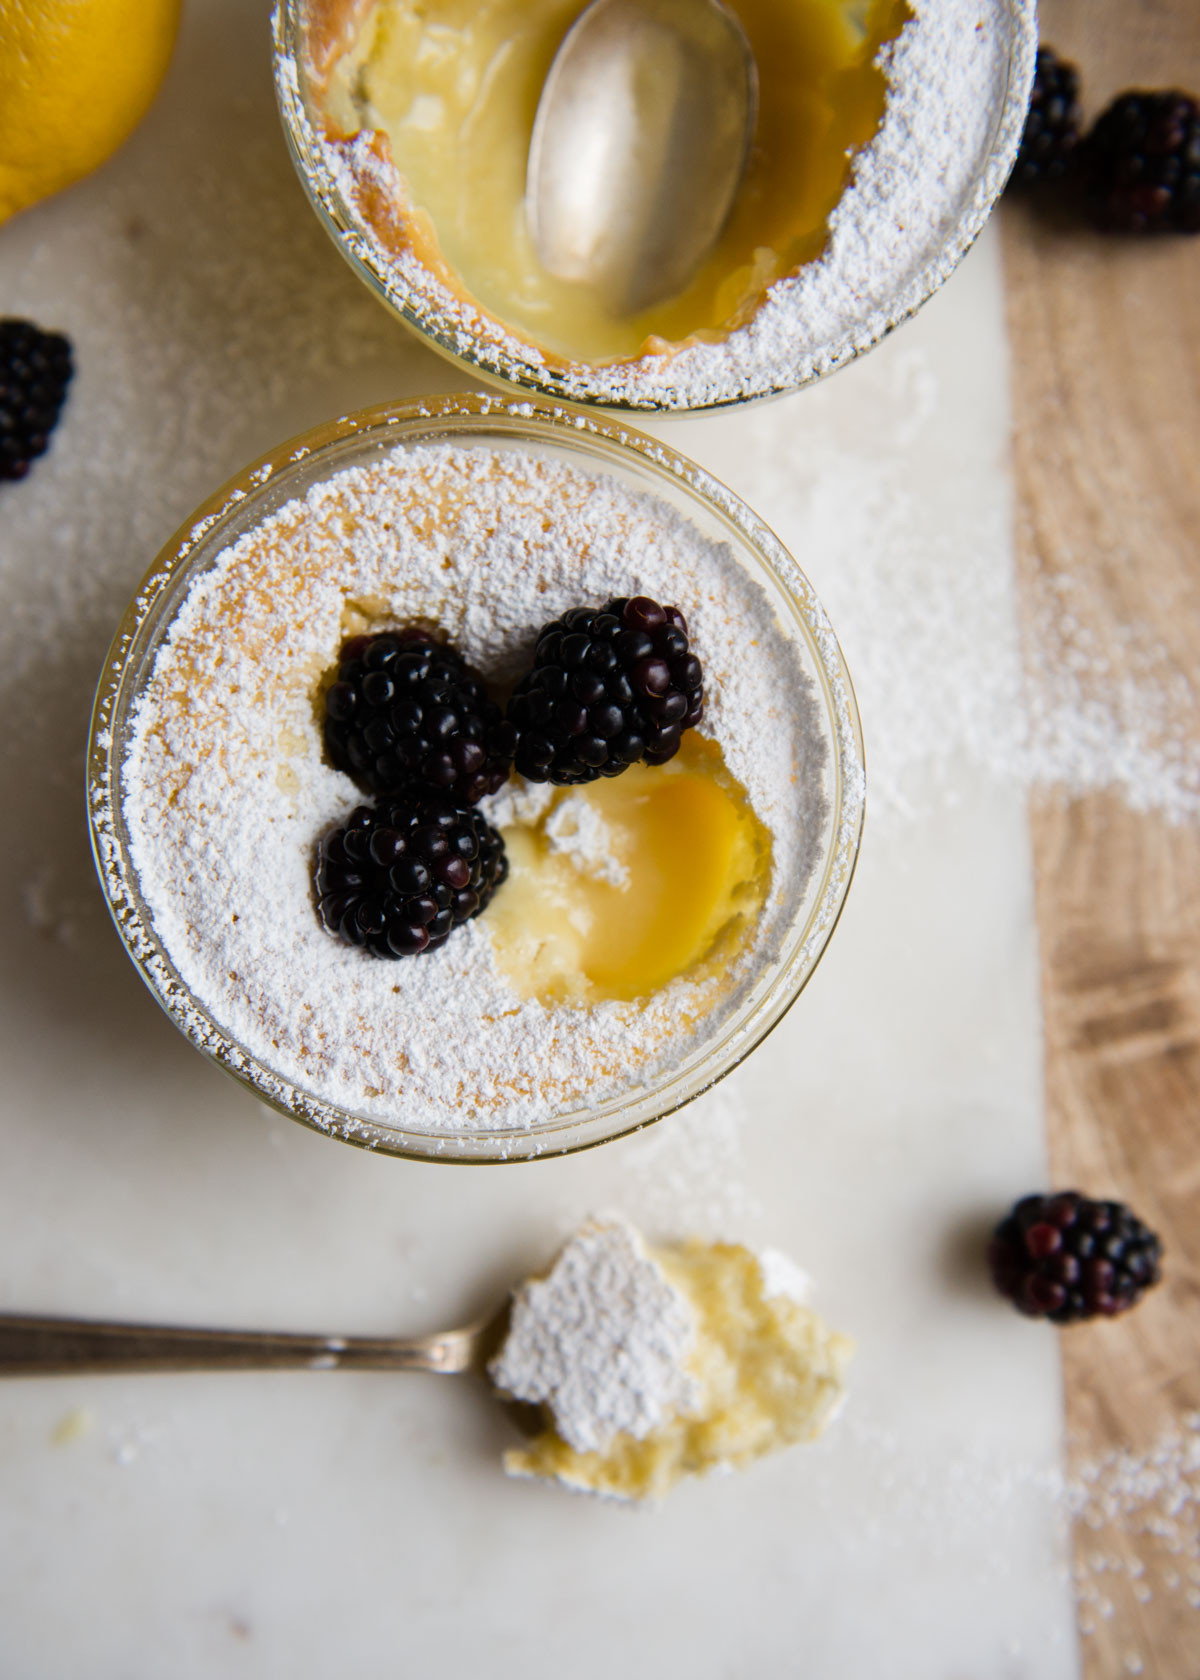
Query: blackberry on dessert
[
  {"x": 1052, "y": 123},
  {"x": 610, "y": 687},
  {"x": 398, "y": 878},
  {"x": 1142, "y": 164},
  {"x": 35, "y": 370},
  {"x": 407, "y": 712},
  {"x": 1066, "y": 1257}
]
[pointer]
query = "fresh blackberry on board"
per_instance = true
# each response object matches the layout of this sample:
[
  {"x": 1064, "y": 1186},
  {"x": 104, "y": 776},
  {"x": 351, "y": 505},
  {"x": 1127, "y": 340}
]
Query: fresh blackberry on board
[
  {"x": 35, "y": 370},
  {"x": 1141, "y": 164},
  {"x": 1052, "y": 122},
  {"x": 406, "y": 711},
  {"x": 1065, "y": 1257},
  {"x": 611, "y": 686},
  {"x": 397, "y": 878}
]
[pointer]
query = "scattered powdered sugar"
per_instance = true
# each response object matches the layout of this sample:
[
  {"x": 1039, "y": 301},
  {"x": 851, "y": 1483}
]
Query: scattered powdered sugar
[
  {"x": 1137, "y": 1518},
  {"x": 1154, "y": 1492},
  {"x": 782, "y": 1276},
  {"x": 1135, "y": 1515},
  {"x": 958, "y": 78},
  {"x": 927, "y": 608},
  {"x": 603, "y": 1340},
  {"x": 226, "y": 791},
  {"x": 688, "y": 1176},
  {"x": 1108, "y": 705}
]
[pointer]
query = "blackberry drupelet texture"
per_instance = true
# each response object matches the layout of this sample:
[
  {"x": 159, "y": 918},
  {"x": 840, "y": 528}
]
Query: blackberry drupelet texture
[
  {"x": 398, "y": 878},
  {"x": 1065, "y": 1257},
  {"x": 1141, "y": 164},
  {"x": 35, "y": 370},
  {"x": 1052, "y": 122},
  {"x": 407, "y": 712},
  {"x": 610, "y": 686}
]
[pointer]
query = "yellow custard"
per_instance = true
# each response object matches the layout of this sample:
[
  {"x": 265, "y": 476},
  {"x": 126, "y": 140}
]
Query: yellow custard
[
  {"x": 623, "y": 884},
  {"x": 452, "y": 87}
]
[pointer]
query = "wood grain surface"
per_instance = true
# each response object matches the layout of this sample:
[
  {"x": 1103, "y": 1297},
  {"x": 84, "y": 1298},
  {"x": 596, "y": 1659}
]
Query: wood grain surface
[{"x": 1106, "y": 369}]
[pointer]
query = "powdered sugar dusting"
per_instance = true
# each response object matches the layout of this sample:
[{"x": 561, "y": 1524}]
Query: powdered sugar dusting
[
  {"x": 226, "y": 791},
  {"x": 1135, "y": 1514},
  {"x": 689, "y": 1176},
  {"x": 958, "y": 79},
  {"x": 578, "y": 832},
  {"x": 603, "y": 1340},
  {"x": 927, "y": 611},
  {"x": 782, "y": 1276},
  {"x": 1137, "y": 1517},
  {"x": 1124, "y": 717}
]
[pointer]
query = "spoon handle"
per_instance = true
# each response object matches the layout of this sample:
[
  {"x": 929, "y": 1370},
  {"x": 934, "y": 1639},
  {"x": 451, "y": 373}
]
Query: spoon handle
[{"x": 49, "y": 1347}]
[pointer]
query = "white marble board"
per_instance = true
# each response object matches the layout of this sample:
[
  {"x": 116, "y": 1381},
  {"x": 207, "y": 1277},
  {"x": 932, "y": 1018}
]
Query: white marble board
[{"x": 308, "y": 1525}]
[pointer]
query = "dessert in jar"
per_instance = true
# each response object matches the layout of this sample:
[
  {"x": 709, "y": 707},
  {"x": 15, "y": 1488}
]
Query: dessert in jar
[
  {"x": 653, "y": 925},
  {"x": 885, "y": 132}
]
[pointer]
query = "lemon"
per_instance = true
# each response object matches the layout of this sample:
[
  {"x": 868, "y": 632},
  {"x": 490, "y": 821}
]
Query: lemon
[{"x": 76, "y": 77}]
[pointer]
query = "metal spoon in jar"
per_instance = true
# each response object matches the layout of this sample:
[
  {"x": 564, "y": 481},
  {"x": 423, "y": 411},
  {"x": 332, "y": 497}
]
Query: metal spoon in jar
[{"x": 640, "y": 144}]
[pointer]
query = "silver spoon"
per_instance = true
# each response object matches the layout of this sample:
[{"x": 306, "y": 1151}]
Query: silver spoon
[
  {"x": 35, "y": 1346},
  {"x": 39, "y": 1346},
  {"x": 639, "y": 146}
]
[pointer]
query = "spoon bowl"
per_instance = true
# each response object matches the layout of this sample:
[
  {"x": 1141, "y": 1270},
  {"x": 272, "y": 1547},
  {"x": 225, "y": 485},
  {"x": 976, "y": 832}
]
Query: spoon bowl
[{"x": 639, "y": 146}]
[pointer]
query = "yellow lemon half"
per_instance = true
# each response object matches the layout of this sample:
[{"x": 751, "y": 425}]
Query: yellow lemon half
[{"x": 76, "y": 77}]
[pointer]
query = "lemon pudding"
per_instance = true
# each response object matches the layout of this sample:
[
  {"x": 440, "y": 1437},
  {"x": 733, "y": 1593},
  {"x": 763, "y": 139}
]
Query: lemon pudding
[
  {"x": 603, "y": 900},
  {"x": 885, "y": 130},
  {"x": 655, "y": 1363},
  {"x": 449, "y": 92},
  {"x": 640, "y": 913}
]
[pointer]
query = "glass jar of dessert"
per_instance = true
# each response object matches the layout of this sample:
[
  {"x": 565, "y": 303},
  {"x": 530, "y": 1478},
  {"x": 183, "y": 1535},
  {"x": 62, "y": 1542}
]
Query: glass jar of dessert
[
  {"x": 885, "y": 132},
  {"x": 631, "y": 935}
]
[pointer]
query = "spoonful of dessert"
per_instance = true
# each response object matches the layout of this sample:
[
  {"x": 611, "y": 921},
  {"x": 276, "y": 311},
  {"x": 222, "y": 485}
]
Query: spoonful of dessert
[
  {"x": 639, "y": 146},
  {"x": 626, "y": 1366}
]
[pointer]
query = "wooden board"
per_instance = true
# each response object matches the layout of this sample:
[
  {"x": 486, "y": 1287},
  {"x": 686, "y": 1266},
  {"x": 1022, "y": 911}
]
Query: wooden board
[{"x": 1106, "y": 380}]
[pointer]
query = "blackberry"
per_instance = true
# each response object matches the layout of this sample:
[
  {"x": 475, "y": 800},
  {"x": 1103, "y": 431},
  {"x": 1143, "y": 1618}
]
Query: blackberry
[
  {"x": 610, "y": 686},
  {"x": 1141, "y": 165},
  {"x": 1051, "y": 123},
  {"x": 399, "y": 877},
  {"x": 406, "y": 712},
  {"x": 1066, "y": 1257},
  {"x": 35, "y": 370}
]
